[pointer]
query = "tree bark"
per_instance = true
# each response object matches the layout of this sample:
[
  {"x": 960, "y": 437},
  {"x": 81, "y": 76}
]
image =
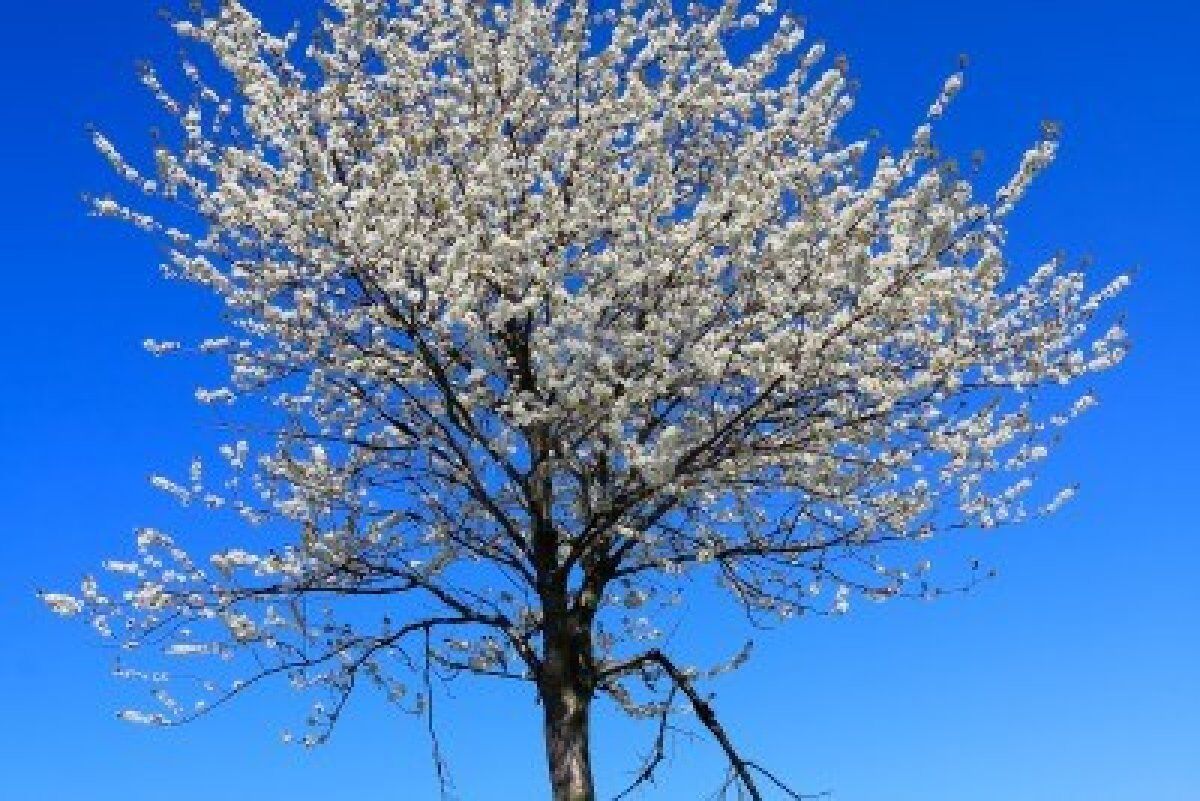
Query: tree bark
[
  {"x": 566, "y": 673},
  {"x": 567, "y": 687},
  {"x": 568, "y": 747}
]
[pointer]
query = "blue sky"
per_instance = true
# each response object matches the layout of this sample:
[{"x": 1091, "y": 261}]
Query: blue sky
[{"x": 1073, "y": 676}]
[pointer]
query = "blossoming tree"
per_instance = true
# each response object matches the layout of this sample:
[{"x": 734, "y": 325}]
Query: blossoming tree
[{"x": 556, "y": 312}]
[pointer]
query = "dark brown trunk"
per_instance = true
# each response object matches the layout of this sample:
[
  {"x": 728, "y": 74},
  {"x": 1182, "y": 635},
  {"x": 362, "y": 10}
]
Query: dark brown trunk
[
  {"x": 568, "y": 749},
  {"x": 566, "y": 686},
  {"x": 565, "y": 675}
]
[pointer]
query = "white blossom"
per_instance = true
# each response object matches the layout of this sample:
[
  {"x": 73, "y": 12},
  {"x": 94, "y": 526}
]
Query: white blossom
[{"x": 61, "y": 604}]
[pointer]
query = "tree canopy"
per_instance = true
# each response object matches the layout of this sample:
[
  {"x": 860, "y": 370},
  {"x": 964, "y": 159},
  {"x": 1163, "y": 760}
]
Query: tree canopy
[{"x": 546, "y": 313}]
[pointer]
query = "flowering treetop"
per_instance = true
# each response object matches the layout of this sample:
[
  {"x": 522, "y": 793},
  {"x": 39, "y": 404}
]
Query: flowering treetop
[{"x": 558, "y": 309}]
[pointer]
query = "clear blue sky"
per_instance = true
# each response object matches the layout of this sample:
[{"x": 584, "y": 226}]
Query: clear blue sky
[{"x": 1074, "y": 677}]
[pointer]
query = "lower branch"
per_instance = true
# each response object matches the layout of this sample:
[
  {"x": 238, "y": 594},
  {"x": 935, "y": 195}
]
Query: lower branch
[
  {"x": 742, "y": 769},
  {"x": 439, "y": 762},
  {"x": 708, "y": 717}
]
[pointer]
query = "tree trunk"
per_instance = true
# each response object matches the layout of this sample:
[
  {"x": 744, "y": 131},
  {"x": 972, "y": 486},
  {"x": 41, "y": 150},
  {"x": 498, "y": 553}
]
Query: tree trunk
[
  {"x": 566, "y": 686},
  {"x": 568, "y": 747}
]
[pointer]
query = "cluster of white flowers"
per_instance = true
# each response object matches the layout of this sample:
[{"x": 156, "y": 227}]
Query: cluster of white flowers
[
  {"x": 159, "y": 348},
  {"x": 62, "y": 604},
  {"x": 144, "y": 718},
  {"x": 547, "y": 300}
]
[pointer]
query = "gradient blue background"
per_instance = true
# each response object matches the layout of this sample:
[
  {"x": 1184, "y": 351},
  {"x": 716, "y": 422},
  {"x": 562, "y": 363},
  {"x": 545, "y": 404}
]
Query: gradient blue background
[{"x": 1071, "y": 678}]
